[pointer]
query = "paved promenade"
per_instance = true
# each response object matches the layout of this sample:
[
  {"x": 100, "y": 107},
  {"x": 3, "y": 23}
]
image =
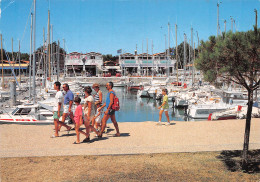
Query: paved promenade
[{"x": 137, "y": 138}]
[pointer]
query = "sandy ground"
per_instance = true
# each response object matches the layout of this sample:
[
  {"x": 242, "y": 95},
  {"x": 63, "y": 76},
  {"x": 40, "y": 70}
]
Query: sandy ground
[{"x": 136, "y": 138}]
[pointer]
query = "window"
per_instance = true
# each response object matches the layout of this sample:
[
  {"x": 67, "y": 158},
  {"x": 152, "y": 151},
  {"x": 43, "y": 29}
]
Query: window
[
  {"x": 23, "y": 111},
  {"x": 92, "y": 57},
  {"x": 13, "y": 113}
]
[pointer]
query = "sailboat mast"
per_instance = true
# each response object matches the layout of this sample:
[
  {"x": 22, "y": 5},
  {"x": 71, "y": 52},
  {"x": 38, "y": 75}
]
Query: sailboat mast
[
  {"x": 217, "y": 19},
  {"x": 165, "y": 52},
  {"x": 152, "y": 60},
  {"x": 44, "y": 60},
  {"x": 19, "y": 54},
  {"x": 147, "y": 59},
  {"x": 12, "y": 51},
  {"x": 142, "y": 58},
  {"x": 231, "y": 23},
  {"x": 2, "y": 58},
  {"x": 189, "y": 57},
  {"x": 184, "y": 64},
  {"x": 64, "y": 59},
  {"x": 49, "y": 57},
  {"x": 30, "y": 68},
  {"x": 51, "y": 44},
  {"x": 225, "y": 22},
  {"x": 192, "y": 59},
  {"x": 168, "y": 53},
  {"x": 193, "y": 68},
  {"x": 58, "y": 61},
  {"x": 177, "y": 66},
  {"x": 34, "y": 40}
]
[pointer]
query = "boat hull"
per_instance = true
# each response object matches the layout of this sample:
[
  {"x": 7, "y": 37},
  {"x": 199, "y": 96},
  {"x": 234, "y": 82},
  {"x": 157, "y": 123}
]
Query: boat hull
[{"x": 25, "y": 122}]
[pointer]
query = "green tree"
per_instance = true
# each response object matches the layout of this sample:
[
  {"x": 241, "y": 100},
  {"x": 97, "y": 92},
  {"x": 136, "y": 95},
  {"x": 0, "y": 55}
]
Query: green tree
[
  {"x": 109, "y": 57},
  {"x": 4, "y": 55},
  {"x": 181, "y": 54},
  {"x": 55, "y": 51},
  {"x": 235, "y": 57}
]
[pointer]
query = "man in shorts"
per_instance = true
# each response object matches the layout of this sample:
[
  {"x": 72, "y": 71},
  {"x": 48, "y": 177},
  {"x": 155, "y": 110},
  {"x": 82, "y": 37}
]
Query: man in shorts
[
  {"x": 109, "y": 113},
  {"x": 58, "y": 110},
  {"x": 68, "y": 102}
]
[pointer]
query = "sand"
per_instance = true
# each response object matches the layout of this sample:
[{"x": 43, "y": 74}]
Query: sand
[{"x": 136, "y": 138}]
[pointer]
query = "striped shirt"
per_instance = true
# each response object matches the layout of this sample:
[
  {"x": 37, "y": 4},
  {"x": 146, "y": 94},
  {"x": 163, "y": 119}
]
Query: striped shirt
[{"x": 97, "y": 96}]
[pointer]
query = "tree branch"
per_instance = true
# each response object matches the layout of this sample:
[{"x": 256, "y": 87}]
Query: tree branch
[
  {"x": 243, "y": 81},
  {"x": 257, "y": 85}
]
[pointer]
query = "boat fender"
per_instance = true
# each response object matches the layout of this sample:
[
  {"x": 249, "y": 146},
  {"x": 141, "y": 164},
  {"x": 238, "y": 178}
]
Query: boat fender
[{"x": 239, "y": 108}]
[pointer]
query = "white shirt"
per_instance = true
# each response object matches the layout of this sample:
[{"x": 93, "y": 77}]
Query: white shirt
[{"x": 59, "y": 97}]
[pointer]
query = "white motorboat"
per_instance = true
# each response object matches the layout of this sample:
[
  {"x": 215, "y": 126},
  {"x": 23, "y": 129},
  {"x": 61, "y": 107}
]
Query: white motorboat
[
  {"x": 120, "y": 84},
  {"x": 4, "y": 95},
  {"x": 28, "y": 114},
  {"x": 180, "y": 102},
  {"x": 149, "y": 91},
  {"x": 202, "y": 111},
  {"x": 234, "y": 113}
]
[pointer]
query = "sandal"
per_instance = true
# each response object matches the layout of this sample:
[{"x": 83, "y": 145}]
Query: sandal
[{"x": 76, "y": 143}]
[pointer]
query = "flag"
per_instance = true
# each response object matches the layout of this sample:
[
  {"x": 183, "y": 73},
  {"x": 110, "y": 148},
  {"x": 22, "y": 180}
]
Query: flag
[{"x": 119, "y": 51}]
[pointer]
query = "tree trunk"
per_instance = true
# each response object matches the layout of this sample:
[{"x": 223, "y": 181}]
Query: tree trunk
[{"x": 247, "y": 130}]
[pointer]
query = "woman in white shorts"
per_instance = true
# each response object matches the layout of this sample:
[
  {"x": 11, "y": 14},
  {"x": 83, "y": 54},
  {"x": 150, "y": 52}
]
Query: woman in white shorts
[{"x": 89, "y": 112}]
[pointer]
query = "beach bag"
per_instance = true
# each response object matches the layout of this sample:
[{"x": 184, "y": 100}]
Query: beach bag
[{"x": 115, "y": 105}]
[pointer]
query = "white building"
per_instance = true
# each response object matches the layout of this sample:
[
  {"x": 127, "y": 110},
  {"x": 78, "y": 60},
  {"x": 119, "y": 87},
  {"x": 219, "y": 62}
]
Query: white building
[
  {"x": 77, "y": 64},
  {"x": 143, "y": 64}
]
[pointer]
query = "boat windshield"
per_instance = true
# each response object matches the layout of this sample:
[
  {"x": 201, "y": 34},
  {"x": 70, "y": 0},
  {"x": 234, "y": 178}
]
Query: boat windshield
[
  {"x": 21, "y": 111},
  {"x": 14, "y": 111}
]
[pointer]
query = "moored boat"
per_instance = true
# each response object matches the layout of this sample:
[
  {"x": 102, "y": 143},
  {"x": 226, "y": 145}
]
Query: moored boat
[{"x": 29, "y": 114}]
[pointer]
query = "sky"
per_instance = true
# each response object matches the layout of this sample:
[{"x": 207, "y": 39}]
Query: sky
[{"x": 106, "y": 26}]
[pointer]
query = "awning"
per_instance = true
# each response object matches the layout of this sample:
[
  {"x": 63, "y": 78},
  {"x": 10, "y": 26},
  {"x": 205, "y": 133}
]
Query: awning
[
  {"x": 112, "y": 67},
  {"x": 15, "y": 67}
]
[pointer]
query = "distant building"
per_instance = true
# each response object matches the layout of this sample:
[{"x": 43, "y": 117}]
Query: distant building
[
  {"x": 8, "y": 66},
  {"x": 146, "y": 64},
  {"x": 77, "y": 63}
]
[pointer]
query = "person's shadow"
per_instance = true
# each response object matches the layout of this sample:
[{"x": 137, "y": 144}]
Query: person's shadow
[
  {"x": 233, "y": 160},
  {"x": 112, "y": 135}
]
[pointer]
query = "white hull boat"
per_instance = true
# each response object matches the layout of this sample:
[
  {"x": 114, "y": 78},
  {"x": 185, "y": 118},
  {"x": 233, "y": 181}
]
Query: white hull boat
[
  {"x": 120, "y": 84},
  {"x": 27, "y": 115},
  {"x": 203, "y": 111},
  {"x": 238, "y": 112}
]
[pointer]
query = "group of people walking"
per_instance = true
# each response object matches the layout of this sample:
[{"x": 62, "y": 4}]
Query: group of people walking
[{"x": 89, "y": 114}]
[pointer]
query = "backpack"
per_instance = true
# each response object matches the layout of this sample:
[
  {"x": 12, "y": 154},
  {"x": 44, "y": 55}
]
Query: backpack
[{"x": 115, "y": 105}]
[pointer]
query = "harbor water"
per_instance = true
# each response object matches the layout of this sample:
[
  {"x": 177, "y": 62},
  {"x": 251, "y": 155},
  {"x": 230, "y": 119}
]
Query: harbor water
[{"x": 136, "y": 109}]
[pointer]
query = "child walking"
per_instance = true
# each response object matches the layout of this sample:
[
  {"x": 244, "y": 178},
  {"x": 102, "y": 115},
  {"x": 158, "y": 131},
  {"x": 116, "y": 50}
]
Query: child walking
[
  {"x": 164, "y": 107},
  {"x": 78, "y": 119},
  {"x": 96, "y": 121}
]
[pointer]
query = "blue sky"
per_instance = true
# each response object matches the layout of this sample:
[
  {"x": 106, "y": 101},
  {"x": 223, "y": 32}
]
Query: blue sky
[{"x": 108, "y": 25}]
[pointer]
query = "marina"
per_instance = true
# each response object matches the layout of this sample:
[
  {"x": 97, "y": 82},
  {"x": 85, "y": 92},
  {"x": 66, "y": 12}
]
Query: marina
[
  {"x": 124, "y": 90},
  {"x": 186, "y": 104}
]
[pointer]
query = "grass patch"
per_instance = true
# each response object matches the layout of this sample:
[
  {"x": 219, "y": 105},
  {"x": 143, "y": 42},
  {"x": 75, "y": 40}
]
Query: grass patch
[{"x": 201, "y": 166}]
